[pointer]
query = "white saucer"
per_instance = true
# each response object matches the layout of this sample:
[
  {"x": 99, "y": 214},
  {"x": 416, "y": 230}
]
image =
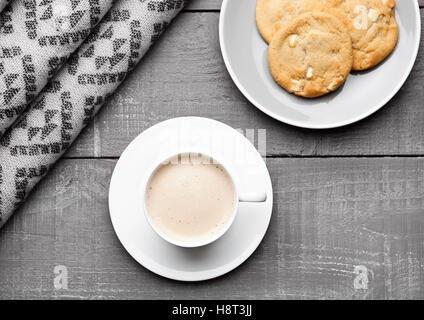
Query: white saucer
[
  {"x": 245, "y": 55},
  {"x": 129, "y": 221}
]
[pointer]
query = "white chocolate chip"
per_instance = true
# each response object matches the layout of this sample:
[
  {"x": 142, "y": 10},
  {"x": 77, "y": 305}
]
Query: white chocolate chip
[
  {"x": 373, "y": 15},
  {"x": 333, "y": 85},
  {"x": 309, "y": 73},
  {"x": 297, "y": 85},
  {"x": 389, "y": 3},
  {"x": 293, "y": 40},
  {"x": 360, "y": 21}
]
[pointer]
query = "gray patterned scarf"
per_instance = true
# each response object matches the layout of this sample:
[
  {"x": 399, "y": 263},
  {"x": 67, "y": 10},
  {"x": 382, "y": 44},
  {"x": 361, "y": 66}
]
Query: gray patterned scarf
[
  {"x": 75, "y": 93},
  {"x": 36, "y": 38}
]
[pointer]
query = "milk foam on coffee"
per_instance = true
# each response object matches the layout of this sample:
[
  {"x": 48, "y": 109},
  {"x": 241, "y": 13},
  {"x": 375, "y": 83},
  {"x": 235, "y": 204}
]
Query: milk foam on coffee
[{"x": 190, "y": 201}]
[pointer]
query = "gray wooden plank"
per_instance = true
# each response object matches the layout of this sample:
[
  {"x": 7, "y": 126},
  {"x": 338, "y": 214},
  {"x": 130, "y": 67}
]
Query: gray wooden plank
[
  {"x": 204, "y": 5},
  {"x": 184, "y": 74},
  {"x": 330, "y": 217}
]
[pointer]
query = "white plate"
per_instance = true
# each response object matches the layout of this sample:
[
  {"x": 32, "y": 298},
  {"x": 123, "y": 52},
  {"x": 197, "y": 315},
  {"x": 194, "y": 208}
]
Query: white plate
[
  {"x": 245, "y": 55},
  {"x": 129, "y": 221}
]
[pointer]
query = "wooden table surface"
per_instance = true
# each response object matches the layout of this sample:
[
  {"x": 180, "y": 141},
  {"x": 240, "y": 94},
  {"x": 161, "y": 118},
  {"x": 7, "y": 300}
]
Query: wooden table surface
[{"x": 348, "y": 218}]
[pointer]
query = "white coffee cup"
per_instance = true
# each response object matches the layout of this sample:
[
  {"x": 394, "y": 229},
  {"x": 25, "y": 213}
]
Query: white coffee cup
[{"x": 238, "y": 197}]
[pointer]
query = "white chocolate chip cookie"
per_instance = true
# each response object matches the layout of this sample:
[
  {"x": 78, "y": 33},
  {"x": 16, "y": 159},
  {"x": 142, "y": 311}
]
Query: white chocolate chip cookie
[
  {"x": 272, "y": 15},
  {"x": 311, "y": 55},
  {"x": 372, "y": 26}
]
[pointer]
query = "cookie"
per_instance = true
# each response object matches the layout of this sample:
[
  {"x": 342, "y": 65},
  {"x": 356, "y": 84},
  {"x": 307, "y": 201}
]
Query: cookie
[
  {"x": 372, "y": 26},
  {"x": 311, "y": 55},
  {"x": 272, "y": 15}
]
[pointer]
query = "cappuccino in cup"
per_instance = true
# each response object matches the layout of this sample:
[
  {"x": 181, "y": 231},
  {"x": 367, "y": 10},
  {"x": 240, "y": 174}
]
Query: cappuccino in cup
[{"x": 190, "y": 201}]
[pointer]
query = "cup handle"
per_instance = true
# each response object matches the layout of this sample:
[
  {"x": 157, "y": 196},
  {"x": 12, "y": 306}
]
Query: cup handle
[{"x": 253, "y": 197}]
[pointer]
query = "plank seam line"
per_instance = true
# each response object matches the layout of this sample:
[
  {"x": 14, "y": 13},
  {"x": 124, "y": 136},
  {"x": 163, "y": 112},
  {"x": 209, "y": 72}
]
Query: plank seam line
[
  {"x": 271, "y": 156},
  {"x": 200, "y": 10},
  {"x": 283, "y": 157}
]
